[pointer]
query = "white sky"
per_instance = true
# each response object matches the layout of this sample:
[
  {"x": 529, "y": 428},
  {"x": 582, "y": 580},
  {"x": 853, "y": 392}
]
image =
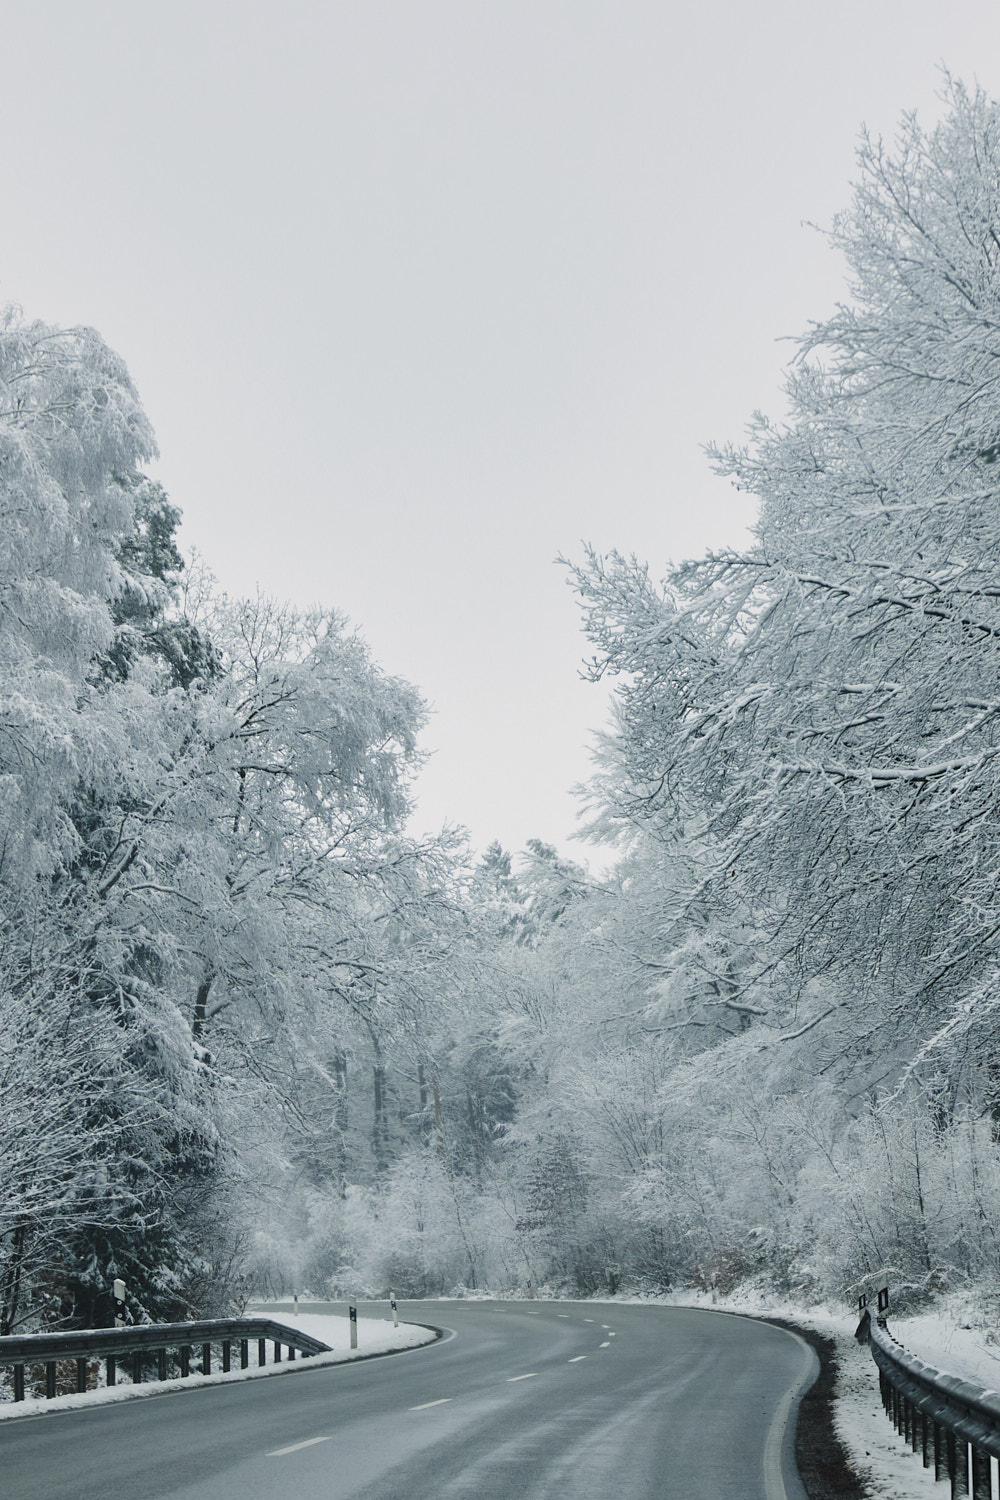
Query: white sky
[{"x": 420, "y": 293}]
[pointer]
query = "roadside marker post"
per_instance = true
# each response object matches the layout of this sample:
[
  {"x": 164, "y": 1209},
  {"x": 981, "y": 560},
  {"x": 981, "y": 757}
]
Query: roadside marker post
[
  {"x": 395, "y": 1312},
  {"x": 118, "y": 1294},
  {"x": 352, "y": 1313}
]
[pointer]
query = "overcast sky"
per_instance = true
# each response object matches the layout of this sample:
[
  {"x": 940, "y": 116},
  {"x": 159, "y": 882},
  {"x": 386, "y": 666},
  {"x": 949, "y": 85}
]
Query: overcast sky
[{"x": 420, "y": 293}]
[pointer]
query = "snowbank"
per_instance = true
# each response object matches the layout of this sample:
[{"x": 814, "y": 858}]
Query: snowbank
[
  {"x": 375, "y": 1336},
  {"x": 952, "y": 1348}
]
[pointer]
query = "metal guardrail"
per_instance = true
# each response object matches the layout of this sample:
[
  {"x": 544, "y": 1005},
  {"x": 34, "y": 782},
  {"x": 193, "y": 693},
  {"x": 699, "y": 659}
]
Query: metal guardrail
[
  {"x": 952, "y": 1424},
  {"x": 166, "y": 1343}
]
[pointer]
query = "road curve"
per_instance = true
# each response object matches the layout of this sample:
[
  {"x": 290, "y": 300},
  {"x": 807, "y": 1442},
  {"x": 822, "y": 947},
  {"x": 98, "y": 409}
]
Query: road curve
[{"x": 525, "y": 1401}]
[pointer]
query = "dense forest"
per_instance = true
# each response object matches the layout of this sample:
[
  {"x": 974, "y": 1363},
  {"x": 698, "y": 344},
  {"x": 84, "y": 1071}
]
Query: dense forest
[{"x": 255, "y": 1037}]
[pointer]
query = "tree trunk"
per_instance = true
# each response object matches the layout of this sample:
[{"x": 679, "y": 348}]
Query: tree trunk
[
  {"x": 438, "y": 1126},
  {"x": 477, "y": 1155},
  {"x": 341, "y": 1119},
  {"x": 425, "y": 1120},
  {"x": 10, "y": 1284},
  {"x": 201, "y": 1006},
  {"x": 380, "y": 1133}
]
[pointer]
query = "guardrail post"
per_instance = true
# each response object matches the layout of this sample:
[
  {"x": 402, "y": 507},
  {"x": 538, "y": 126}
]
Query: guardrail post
[
  {"x": 277, "y": 1352},
  {"x": 18, "y": 1382},
  {"x": 291, "y": 1351},
  {"x": 925, "y": 1455},
  {"x": 206, "y": 1359},
  {"x": 982, "y": 1488},
  {"x": 161, "y": 1364},
  {"x": 960, "y": 1484},
  {"x": 261, "y": 1352},
  {"x": 81, "y": 1376},
  {"x": 112, "y": 1369},
  {"x": 961, "y": 1467},
  {"x": 50, "y": 1379},
  {"x": 940, "y": 1456},
  {"x": 185, "y": 1354},
  {"x": 137, "y": 1367},
  {"x": 958, "y": 1465},
  {"x": 226, "y": 1356},
  {"x": 244, "y": 1354}
]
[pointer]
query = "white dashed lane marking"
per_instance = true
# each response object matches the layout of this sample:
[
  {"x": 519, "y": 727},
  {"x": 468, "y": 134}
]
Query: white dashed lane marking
[
  {"x": 577, "y": 1360},
  {"x": 605, "y": 1345},
  {"x": 512, "y": 1378},
  {"x": 441, "y": 1401},
  {"x": 294, "y": 1448}
]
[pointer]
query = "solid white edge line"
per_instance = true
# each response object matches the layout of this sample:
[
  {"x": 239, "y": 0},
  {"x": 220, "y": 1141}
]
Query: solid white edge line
[
  {"x": 441, "y": 1401},
  {"x": 512, "y": 1378},
  {"x": 294, "y": 1448},
  {"x": 774, "y": 1480}
]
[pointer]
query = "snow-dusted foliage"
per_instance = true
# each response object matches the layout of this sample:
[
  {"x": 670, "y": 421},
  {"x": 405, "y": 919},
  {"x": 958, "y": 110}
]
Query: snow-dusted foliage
[
  {"x": 810, "y": 729},
  {"x": 199, "y": 857},
  {"x": 254, "y": 1036}
]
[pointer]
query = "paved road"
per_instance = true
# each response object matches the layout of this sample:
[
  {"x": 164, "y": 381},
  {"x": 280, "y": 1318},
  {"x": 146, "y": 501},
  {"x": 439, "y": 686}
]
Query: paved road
[{"x": 543, "y": 1401}]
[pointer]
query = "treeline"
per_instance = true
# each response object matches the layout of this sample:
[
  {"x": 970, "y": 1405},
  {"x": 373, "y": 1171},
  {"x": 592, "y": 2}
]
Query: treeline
[{"x": 254, "y": 1037}]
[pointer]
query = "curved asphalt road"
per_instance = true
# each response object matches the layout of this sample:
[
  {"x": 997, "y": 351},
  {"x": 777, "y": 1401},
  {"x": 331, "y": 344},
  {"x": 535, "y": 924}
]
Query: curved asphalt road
[{"x": 543, "y": 1401}]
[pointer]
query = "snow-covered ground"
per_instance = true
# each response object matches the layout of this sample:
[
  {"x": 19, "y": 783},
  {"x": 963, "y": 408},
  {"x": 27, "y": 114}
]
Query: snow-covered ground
[
  {"x": 375, "y": 1336},
  {"x": 953, "y": 1348}
]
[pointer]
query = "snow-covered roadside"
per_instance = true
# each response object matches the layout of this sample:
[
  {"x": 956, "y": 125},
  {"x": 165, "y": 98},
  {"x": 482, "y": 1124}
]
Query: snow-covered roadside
[
  {"x": 891, "y": 1469},
  {"x": 941, "y": 1340},
  {"x": 953, "y": 1347},
  {"x": 375, "y": 1336}
]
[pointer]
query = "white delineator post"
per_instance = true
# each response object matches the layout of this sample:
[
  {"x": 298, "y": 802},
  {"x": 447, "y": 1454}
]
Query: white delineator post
[
  {"x": 118, "y": 1293},
  {"x": 352, "y": 1313},
  {"x": 395, "y": 1314}
]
